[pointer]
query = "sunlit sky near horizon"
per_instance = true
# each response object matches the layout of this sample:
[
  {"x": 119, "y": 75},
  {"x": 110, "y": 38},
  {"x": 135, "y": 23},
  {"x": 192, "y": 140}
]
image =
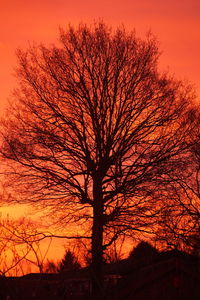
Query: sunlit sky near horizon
[{"x": 175, "y": 23}]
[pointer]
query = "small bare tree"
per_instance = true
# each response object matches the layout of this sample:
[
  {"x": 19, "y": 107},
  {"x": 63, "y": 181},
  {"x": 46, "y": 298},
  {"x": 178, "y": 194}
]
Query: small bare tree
[
  {"x": 93, "y": 132},
  {"x": 51, "y": 267},
  {"x": 21, "y": 247}
]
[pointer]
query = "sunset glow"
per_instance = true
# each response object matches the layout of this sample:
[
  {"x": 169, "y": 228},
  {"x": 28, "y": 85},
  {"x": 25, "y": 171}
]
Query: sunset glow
[{"x": 175, "y": 23}]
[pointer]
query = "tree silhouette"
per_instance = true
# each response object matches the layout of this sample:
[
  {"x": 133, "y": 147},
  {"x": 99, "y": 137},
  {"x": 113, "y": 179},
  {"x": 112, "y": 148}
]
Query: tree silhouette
[
  {"x": 50, "y": 267},
  {"x": 21, "y": 247},
  {"x": 68, "y": 263},
  {"x": 93, "y": 132},
  {"x": 180, "y": 220},
  {"x": 143, "y": 253}
]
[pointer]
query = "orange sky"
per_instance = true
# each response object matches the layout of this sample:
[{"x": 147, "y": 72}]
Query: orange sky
[{"x": 176, "y": 23}]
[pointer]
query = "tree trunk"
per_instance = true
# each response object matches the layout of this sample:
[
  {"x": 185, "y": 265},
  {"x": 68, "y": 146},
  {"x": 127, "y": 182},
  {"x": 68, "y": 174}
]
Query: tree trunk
[{"x": 97, "y": 244}]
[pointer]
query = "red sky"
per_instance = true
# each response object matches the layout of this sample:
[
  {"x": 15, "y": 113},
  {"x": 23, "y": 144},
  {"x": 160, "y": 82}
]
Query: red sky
[{"x": 176, "y": 23}]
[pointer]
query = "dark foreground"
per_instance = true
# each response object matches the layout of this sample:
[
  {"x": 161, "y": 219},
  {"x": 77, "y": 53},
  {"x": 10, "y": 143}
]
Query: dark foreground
[{"x": 167, "y": 276}]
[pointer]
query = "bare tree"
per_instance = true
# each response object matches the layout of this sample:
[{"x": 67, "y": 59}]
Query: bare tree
[
  {"x": 51, "y": 267},
  {"x": 116, "y": 251},
  {"x": 21, "y": 247},
  {"x": 180, "y": 222},
  {"x": 93, "y": 131}
]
